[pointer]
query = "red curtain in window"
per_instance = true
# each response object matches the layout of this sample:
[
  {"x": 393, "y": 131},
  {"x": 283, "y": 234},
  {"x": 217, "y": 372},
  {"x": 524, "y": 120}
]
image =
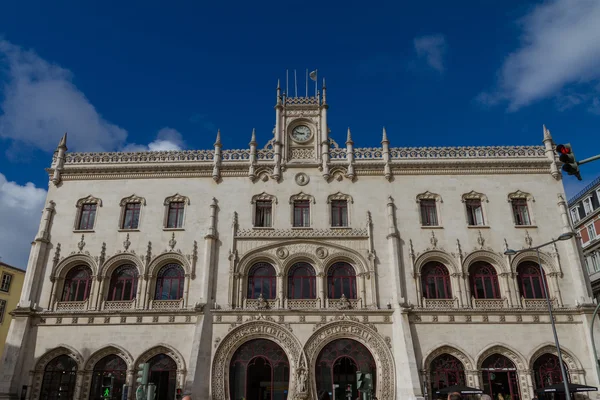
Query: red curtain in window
[
  {"x": 435, "y": 280},
  {"x": 169, "y": 282},
  {"x": 530, "y": 281},
  {"x": 262, "y": 279},
  {"x": 301, "y": 282},
  {"x": 484, "y": 281},
  {"x": 77, "y": 284},
  {"x": 341, "y": 278},
  {"x": 123, "y": 283}
]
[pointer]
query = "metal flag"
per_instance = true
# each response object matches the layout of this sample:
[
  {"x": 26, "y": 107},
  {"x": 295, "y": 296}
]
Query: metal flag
[{"x": 313, "y": 75}]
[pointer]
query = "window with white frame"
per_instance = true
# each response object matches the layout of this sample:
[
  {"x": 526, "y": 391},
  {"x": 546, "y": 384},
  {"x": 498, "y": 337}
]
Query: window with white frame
[
  {"x": 474, "y": 208},
  {"x": 428, "y": 208},
  {"x": 593, "y": 262},
  {"x": 175, "y": 211},
  {"x": 301, "y": 212},
  {"x": 575, "y": 214},
  {"x": 87, "y": 209},
  {"x": 131, "y": 209},
  {"x": 339, "y": 204},
  {"x": 591, "y": 229},
  {"x": 5, "y": 283},
  {"x": 587, "y": 205},
  {"x": 263, "y": 210}
]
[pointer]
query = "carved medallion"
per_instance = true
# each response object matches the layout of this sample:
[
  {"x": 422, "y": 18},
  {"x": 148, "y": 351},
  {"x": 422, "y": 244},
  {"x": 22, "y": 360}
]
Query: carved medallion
[
  {"x": 321, "y": 252},
  {"x": 302, "y": 179},
  {"x": 282, "y": 252}
]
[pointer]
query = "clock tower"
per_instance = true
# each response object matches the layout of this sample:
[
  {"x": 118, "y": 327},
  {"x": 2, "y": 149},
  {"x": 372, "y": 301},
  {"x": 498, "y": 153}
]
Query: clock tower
[{"x": 301, "y": 134}]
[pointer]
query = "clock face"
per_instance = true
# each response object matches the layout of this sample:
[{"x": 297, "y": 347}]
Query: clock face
[{"x": 301, "y": 133}]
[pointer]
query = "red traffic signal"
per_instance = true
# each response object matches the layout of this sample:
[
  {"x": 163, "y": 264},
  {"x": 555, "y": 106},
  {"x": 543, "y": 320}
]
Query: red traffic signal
[{"x": 562, "y": 149}]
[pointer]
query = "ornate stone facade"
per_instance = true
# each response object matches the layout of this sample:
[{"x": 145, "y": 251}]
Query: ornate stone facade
[{"x": 222, "y": 225}]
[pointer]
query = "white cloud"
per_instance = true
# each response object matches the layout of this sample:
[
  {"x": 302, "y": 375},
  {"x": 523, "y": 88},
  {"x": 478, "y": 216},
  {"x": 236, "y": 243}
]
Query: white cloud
[
  {"x": 432, "y": 48},
  {"x": 20, "y": 213},
  {"x": 560, "y": 47},
  {"x": 41, "y": 103},
  {"x": 167, "y": 139}
]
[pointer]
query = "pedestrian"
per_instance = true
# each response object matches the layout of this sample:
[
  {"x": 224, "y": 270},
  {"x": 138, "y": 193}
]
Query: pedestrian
[
  {"x": 187, "y": 396},
  {"x": 454, "y": 396},
  {"x": 485, "y": 397}
]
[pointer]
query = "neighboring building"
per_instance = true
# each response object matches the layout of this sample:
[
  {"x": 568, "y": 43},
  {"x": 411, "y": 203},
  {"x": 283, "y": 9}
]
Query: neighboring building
[
  {"x": 584, "y": 209},
  {"x": 11, "y": 283},
  {"x": 286, "y": 268}
]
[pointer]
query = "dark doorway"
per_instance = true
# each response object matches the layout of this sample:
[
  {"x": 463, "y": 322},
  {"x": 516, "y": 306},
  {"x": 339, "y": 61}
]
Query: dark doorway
[
  {"x": 344, "y": 374},
  {"x": 59, "y": 379},
  {"x": 163, "y": 373},
  {"x": 258, "y": 379},
  {"x": 500, "y": 378}
]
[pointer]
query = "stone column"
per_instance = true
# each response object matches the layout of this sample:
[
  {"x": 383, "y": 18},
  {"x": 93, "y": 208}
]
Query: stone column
[
  {"x": 52, "y": 293},
  {"x": 240, "y": 291},
  {"x": 455, "y": 282},
  {"x": 280, "y": 283},
  {"x": 148, "y": 296},
  {"x": 59, "y": 283},
  {"x": 363, "y": 289},
  {"x": 506, "y": 286},
  {"x": 321, "y": 288},
  {"x": 553, "y": 282},
  {"x": 129, "y": 382},
  {"x": 92, "y": 294},
  {"x": 138, "y": 294},
  {"x": 419, "y": 289},
  {"x": 186, "y": 291}
]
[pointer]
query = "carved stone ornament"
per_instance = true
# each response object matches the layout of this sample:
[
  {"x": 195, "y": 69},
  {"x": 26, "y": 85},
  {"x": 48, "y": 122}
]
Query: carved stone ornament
[
  {"x": 528, "y": 239},
  {"x": 302, "y": 196},
  {"x": 321, "y": 252},
  {"x": 261, "y": 303},
  {"x": 340, "y": 196},
  {"x": 132, "y": 199},
  {"x": 89, "y": 200},
  {"x": 480, "y": 239},
  {"x": 282, "y": 252},
  {"x": 126, "y": 243},
  {"x": 301, "y": 179},
  {"x": 519, "y": 195},
  {"x": 81, "y": 243},
  {"x": 473, "y": 195},
  {"x": 344, "y": 303},
  {"x": 176, "y": 198},
  {"x": 505, "y": 246},
  {"x": 429, "y": 196},
  {"x": 433, "y": 240},
  {"x": 172, "y": 242},
  {"x": 264, "y": 196}
]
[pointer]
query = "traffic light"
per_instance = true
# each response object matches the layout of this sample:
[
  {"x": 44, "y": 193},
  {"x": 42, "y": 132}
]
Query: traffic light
[
  {"x": 107, "y": 387},
  {"x": 142, "y": 374},
  {"x": 178, "y": 393},
  {"x": 567, "y": 157}
]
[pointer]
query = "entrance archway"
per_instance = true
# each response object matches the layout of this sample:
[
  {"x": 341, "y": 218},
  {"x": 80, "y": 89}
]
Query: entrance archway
[
  {"x": 500, "y": 378},
  {"x": 59, "y": 379},
  {"x": 337, "y": 365},
  {"x": 259, "y": 369},
  {"x": 163, "y": 373},
  {"x": 547, "y": 372}
]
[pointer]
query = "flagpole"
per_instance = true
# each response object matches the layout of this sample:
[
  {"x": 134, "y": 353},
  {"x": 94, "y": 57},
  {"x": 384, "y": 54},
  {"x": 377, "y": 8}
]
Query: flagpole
[
  {"x": 287, "y": 93},
  {"x": 296, "y": 84},
  {"x": 306, "y": 82},
  {"x": 316, "y": 80}
]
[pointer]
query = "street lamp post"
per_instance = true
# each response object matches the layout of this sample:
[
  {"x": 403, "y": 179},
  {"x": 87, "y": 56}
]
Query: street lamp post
[{"x": 509, "y": 252}]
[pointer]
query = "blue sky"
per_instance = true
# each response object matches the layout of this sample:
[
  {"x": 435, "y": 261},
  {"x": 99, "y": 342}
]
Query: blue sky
[{"x": 139, "y": 75}]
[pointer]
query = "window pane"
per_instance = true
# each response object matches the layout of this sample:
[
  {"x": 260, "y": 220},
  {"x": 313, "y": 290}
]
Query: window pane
[{"x": 306, "y": 216}]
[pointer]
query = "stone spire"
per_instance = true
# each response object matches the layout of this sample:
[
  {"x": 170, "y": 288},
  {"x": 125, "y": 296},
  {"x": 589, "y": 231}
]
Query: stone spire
[
  {"x": 387, "y": 170},
  {"x": 217, "y": 159},
  {"x": 251, "y": 171},
  {"x": 59, "y": 159},
  {"x": 349, "y": 137},
  {"x": 549, "y": 149},
  {"x": 350, "y": 155}
]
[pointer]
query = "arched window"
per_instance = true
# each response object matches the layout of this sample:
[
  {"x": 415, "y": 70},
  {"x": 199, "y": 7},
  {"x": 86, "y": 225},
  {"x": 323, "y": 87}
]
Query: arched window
[
  {"x": 77, "y": 284},
  {"x": 338, "y": 363},
  {"x": 301, "y": 282},
  {"x": 484, "y": 281},
  {"x": 262, "y": 279},
  {"x": 169, "y": 282},
  {"x": 110, "y": 366},
  {"x": 500, "y": 378},
  {"x": 446, "y": 371},
  {"x": 163, "y": 373},
  {"x": 530, "y": 281},
  {"x": 341, "y": 279},
  {"x": 546, "y": 370},
  {"x": 59, "y": 379},
  {"x": 259, "y": 369},
  {"x": 123, "y": 283},
  {"x": 435, "y": 281}
]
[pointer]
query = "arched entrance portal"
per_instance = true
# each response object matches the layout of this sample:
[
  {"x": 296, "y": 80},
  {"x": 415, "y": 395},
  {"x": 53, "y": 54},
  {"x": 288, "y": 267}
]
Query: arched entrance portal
[
  {"x": 259, "y": 370},
  {"x": 500, "y": 378},
  {"x": 337, "y": 365},
  {"x": 59, "y": 379},
  {"x": 547, "y": 373},
  {"x": 112, "y": 367},
  {"x": 163, "y": 373},
  {"x": 445, "y": 371}
]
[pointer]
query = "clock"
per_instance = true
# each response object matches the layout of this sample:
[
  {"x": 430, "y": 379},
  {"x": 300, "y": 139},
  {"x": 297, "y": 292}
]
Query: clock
[{"x": 301, "y": 133}]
